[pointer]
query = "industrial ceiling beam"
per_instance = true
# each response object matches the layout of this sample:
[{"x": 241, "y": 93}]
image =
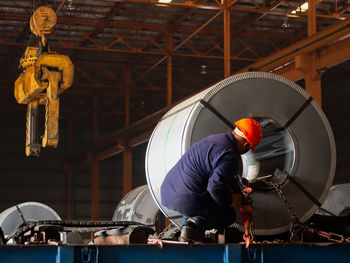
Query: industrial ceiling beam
[
  {"x": 236, "y": 6},
  {"x": 312, "y": 43},
  {"x": 184, "y": 4},
  {"x": 62, "y": 3},
  {"x": 333, "y": 52},
  {"x": 173, "y": 26},
  {"x": 177, "y": 54},
  {"x": 328, "y": 57},
  {"x": 238, "y": 31},
  {"x": 99, "y": 28},
  {"x": 227, "y": 38},
  {"x": 185, "y": 41}
]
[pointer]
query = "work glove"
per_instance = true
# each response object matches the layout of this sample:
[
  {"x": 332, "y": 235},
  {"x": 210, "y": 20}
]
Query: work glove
[
  {"x": 240, "y": 198},
  {"x": 246, "y": 192}
]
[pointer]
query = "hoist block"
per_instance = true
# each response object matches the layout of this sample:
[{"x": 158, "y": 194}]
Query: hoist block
[
  {"x": 43, "y": 80},
  {"x": 47, "y": 68},
  {"x": 54, "y": 63}
]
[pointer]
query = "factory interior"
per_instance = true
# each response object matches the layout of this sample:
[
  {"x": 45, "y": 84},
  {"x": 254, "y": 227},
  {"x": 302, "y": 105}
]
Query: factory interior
[{"x": 100, "y": 99}]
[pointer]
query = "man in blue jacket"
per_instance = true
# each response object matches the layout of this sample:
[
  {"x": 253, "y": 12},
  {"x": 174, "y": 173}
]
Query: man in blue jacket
[{"x": 203, "y": 185}]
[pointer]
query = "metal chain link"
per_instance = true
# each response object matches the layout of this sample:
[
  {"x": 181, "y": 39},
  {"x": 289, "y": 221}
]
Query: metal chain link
[
  {"x": 165, "y": 229},
  {"x": 252, "y": 230},
  {"x": 296, "y": 227}
]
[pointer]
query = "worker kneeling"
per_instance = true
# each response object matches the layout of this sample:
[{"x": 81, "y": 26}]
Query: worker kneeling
[{"x": 204, "y": 186}]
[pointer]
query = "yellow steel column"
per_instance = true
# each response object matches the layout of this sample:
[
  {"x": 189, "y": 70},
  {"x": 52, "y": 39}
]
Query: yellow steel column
[
  {"x": 311, "y": 18},
  {"x": 170, "y": 46},
  {"x": 95, "y": 175},
  {"x": 307, "y": 63},
  {"x": 227, "y": 38}
]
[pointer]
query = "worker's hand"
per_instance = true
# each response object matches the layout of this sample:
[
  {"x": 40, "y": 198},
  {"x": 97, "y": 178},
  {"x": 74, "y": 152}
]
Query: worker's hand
[
  {"x": 236, "y": 200},
  {"x": 247, "y": 191},
  {"x": 247, "y": 199}
]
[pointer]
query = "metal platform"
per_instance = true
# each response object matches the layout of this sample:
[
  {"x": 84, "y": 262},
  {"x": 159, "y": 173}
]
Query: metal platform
[{"x": 178, "y": 253}]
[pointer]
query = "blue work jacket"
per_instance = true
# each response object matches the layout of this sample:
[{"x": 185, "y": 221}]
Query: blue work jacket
[{"x": 200, "y": 179}]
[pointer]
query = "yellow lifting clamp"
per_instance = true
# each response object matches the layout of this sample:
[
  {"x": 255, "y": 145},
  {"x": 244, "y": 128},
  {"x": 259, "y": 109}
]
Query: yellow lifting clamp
[{"x": 45, "y": 76}]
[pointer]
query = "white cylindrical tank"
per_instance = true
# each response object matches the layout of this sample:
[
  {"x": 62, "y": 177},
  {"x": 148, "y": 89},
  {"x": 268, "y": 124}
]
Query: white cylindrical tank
[{"x": 305, "y": 149}]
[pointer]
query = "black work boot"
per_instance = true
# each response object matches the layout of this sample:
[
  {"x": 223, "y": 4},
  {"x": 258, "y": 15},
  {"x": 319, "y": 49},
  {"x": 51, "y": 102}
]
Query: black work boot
[{"x": 191, "y": 232}]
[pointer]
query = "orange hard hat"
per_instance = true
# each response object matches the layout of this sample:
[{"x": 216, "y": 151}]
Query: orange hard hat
[{"x": 251, "y": 130}]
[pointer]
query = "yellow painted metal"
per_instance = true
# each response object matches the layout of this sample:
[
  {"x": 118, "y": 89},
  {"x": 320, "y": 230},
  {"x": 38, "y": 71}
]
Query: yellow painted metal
[
  {"x": 30, "y": 56},
  {"x": 27, "y": 88},
  {"x": 43, "y": 80},
  {"x": 43, "y": 21},
  {"x": 50, "y": 137},
  {"x": 61, "y": 63}
]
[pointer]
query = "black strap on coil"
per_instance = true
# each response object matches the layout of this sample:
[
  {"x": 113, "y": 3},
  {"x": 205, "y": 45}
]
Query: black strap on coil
[
  {"x": 232, "y": 126},
  {"x": 217, "y": 114}
]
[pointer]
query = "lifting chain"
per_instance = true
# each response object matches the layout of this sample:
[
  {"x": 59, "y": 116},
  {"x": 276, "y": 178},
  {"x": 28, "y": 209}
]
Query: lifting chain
[
  {"x": 161, "y": 234},
  {"x": 297, "y": 228}
]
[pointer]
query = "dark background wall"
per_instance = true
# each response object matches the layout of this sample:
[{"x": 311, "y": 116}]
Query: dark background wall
[{"x": 44, "y": 180}]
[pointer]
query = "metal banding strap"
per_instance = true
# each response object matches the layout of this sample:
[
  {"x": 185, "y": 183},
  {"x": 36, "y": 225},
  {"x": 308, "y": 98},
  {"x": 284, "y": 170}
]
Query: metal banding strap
[
  {"x": 232, "y": 126},
  {"x": 308, "y": 194},
  {"x": 20, "y": 213},
  {"x": 217, "y": 114},
  {"x": 292, "y": 119},
  {"x": 173, "y": 113},
  {"x": 297, "y": 113}
]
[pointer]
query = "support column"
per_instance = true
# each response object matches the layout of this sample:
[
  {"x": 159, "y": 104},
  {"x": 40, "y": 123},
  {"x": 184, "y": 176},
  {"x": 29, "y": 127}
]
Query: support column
[
  {"x": 311, "y": 18},
  {"x": 95, "y": 190},
  {"x": 70, "y": 173},
  {"x": 170, "y": 46},
  {"x": 227, "y": 38},
  {"x": 308, "y": 62},
  {"x": 127, "y": 153},
  {"x": 127, "y": 169},
  {"x": 307, "y": 65},
  {"x": 127, "y": 72},
  {"x": 95, "y": 169}
]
